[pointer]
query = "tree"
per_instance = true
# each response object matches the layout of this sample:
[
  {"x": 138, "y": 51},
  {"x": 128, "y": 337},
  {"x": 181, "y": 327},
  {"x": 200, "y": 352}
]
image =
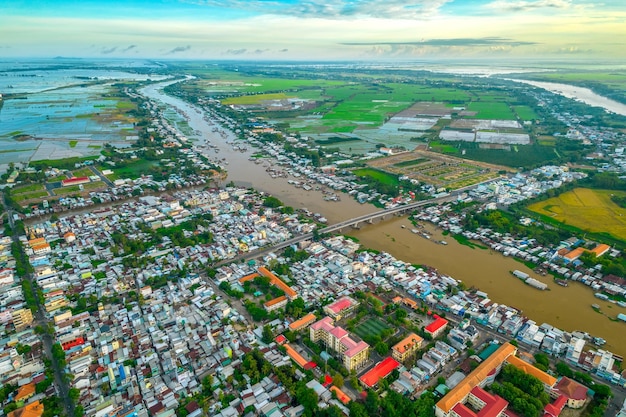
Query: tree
[
  {"x": 563, "y": 369},
  {"x": 400, "y": 314},
  {"x": 74, "y": 394},
  {"x": 338, "y": 380},
  {"x": 308, "y": 399},
  {"x": 381, "y": 348},
  {"x": 268, "y": 334}
]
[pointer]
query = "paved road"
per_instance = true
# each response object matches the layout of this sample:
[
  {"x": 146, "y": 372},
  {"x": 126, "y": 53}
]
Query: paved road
[{"x": 102, "y": 176}]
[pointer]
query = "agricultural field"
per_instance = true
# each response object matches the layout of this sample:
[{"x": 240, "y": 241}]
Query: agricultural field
[
  {"x": 255, "y": 99},
  {"x": 380, "y": 176},
  {"x": 525, "y": 113},
  {"x": 497, "y": 110},
  {"x": 586, "y": 209},
  {"x": 370, "y": 328},
  {"x": 439, "y": 170}
]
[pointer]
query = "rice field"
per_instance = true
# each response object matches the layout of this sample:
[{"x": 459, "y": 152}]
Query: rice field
[
  {"x": 586, "y": 209},
  {"x": 370, "y": 328},
  {"x": 497, "y": 110}
]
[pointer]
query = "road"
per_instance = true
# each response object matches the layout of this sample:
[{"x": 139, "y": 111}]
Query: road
[
  {"x": 40, "y": 319},
  {"x": 102, "y": 176}
]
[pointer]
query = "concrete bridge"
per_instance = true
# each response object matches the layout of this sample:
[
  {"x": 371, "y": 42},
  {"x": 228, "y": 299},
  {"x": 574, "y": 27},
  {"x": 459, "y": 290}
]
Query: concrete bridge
[{"x": 338, "y": 227}]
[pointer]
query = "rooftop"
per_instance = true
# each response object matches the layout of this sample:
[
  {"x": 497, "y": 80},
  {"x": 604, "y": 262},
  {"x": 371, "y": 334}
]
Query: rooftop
[
  {"x": 477, "y": 376},
  {"x": 381, "y": 370}
]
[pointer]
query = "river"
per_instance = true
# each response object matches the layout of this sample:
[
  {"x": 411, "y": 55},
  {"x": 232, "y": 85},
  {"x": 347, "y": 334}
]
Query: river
[
  {"x": 246, "y": 173},
  {"x": 578, "y": 93},
  {"x": 568, "y": 308}
]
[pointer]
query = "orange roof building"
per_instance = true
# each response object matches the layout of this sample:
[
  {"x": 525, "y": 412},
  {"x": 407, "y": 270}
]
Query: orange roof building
[
  {"x": 547, "y": 379},
  {"x": 601, "y": 249},
  {"x": 303, "y": 322},
  {"x": 406, "y": 347},
  {"x": 276, "y": 303},
  {"x": 573, "y": 255},
  {"x": 34, "y": 409},
  {"x": 298, "y": 358},
  {"x": 341, "y": 396},
  {"x": 484, "y": 373},
  {"x": 25, "y": 392},
  {"x": 249, "y": 277},
  {"x": 274, "y": 280}
]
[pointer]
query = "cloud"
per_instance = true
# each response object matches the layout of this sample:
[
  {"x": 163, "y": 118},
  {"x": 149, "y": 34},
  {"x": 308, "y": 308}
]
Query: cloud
[
  {"x": 573, "y": 50},
  {"x": 284, "y": 50},
  {"x": 128, "y": 48},
  {"x": 179, "y": 49},
  {"x": 386, "y": 9},
  {"x": 490, "y": 41},
  {"x": 236, "y": 51},
  {"x": 107, "y": 51},
  {"x": 527, "y": 5}
]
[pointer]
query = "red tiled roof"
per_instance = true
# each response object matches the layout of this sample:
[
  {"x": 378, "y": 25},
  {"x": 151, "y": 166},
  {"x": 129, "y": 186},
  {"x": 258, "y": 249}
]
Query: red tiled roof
[
  {"x": 381, "y": 370},
  {"x": 436, "y": 325},
  {"x": 339, "y": 305},
  {"x": 571, "y": 389}
]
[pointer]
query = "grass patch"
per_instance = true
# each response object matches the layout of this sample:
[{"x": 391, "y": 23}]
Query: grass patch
[
  {"x": 29, "y": 196},
  {"x": 380, "y": 176},
  {"x": 412, "y": 162},
  {"x": 586, "y": 209},
  {"x": 370, "y": 328},
  {"x": 132, "y": 171},
  {"x": 26, "y": 189},
  {"x": 83, "y": 172},
  {"x": 73, "y": 143},
  {"x": 466, "y": 242}
]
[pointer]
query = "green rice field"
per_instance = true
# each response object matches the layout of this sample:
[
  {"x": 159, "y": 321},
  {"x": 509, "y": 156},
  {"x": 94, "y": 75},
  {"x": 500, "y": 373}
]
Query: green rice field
[{"x": 491, "y": 110}]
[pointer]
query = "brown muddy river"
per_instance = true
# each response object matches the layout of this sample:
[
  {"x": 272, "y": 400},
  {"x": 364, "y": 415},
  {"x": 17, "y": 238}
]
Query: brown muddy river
[{"x": 568, "y": 308}]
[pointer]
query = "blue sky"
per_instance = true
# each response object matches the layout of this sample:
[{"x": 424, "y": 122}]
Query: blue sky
[{"x": 314, "y": 29}]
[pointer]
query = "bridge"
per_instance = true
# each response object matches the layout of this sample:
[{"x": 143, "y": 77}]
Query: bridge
[{"x": 338, "y": 227}]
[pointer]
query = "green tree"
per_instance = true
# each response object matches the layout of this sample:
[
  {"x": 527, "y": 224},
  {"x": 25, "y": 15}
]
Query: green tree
[
  {"x": 268, "y": 334},
  {"x": 338, "y": 380}
]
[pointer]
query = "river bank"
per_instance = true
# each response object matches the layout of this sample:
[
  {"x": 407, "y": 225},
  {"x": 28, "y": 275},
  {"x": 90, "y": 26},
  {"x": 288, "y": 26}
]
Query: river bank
[{"x": 578, "y": 93}]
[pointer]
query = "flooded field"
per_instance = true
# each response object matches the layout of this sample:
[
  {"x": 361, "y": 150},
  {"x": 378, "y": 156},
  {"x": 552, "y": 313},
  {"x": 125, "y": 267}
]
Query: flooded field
[
  {"x": 568, "y": 308},
  {"x": 53, "y": 114}
]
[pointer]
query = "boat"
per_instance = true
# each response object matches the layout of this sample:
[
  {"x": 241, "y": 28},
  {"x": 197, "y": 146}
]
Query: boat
[
  {"x": 561, "y": 282},
  {"x": 595, "y": 306},
  {"x": 403, "y": 226},
  {"x": 599, "y": 341}
]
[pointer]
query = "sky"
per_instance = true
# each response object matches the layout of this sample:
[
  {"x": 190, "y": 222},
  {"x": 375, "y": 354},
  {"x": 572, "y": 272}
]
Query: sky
[{"x": 314, "y": 29}]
